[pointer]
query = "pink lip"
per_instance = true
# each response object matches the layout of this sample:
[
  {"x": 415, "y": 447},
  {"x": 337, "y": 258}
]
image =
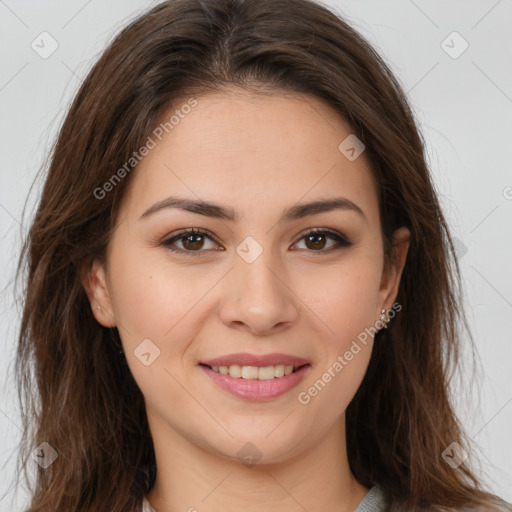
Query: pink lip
[
  {"x": 244, "y": 359},
  {"x": 257, "y": 390}
]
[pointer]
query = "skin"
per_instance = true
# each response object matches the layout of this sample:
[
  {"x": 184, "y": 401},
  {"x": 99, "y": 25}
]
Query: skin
[{"x": 258, "y": 155}]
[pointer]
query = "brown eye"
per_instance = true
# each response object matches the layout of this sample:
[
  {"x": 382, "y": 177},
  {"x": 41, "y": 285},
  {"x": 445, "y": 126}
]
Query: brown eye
[
  {"x": 194, "y": 240},
  {"x": 316, "y": 240},
  {"x": 191, "y": 240}
]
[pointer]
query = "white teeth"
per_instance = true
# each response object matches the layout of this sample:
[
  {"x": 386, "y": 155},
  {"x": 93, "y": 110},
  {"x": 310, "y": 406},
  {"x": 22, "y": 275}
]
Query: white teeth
[
  {"x": 249, "y": 372},
  {"x": 235, "y": 371},
  {"x": 279, "y": 370},
  {"x": 254, "y": 372}
]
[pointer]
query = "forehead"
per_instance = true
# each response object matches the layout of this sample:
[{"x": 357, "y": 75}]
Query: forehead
[{"x": 242, "y": 149}]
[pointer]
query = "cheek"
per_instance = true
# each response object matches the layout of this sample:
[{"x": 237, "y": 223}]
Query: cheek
[
  {"x": 345, "y": 296},
  {"x": 154, "y": 299},
  {"x": 347, "y": 310},
  {"x": 345, "y": 299}
]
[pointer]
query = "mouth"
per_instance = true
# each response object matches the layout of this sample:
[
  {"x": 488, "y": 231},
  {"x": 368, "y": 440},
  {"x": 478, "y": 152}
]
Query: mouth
[
  {"x": 256, "y": 378},
  {"x": 237, "y": 371}
]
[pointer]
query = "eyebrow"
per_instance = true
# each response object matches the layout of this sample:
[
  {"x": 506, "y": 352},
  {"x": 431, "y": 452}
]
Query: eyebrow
[{"x": 215, "y": 211}]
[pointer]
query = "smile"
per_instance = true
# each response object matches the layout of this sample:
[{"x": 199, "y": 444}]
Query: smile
[
  {"x": 255, "y": 372},
  {"x": 255, "y": 383}
]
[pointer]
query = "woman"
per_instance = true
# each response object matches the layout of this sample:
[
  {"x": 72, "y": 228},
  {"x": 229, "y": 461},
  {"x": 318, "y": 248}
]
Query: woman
[{"x": 241, "y": 289}]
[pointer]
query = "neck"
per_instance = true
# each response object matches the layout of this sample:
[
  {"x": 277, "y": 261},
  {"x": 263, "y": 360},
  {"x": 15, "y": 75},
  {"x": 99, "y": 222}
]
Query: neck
[{"x": 190, "y": 478}]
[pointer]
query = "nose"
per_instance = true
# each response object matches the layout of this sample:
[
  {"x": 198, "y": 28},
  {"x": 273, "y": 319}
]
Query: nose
[{"x": 258, "y": 297}]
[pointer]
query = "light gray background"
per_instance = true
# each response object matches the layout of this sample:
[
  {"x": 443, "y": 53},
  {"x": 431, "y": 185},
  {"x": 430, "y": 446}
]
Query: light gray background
[{"x": 464, "y": 106}]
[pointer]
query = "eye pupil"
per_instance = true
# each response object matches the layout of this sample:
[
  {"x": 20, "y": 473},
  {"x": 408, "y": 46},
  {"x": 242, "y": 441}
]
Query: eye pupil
[
  {"x": 316, "y": 236},
  {"x": 191, "y": 237}
]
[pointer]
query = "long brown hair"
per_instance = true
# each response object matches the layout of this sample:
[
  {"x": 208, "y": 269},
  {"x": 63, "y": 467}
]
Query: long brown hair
[{"x": 76, "y": 391}]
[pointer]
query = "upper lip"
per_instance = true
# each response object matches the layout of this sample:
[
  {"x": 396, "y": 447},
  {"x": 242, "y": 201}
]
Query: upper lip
[{"x": 245, "y": 359}]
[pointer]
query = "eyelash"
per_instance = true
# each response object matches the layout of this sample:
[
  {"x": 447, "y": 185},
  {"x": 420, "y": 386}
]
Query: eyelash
[{"x": 341, "y": 240}]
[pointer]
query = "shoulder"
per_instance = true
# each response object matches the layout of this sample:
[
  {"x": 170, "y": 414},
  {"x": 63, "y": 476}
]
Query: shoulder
[
  {"x": 375, "y": 501},
  {"x": 146, "y": 507},
  {"x": 495, "y": 504}
]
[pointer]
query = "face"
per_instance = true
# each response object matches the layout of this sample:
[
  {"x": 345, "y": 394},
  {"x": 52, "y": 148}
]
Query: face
[{"x": 253, "y": 289}]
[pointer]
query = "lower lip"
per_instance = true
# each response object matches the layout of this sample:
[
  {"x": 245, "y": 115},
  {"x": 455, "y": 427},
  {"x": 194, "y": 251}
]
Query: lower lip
[{"x": 254, "y": 389}]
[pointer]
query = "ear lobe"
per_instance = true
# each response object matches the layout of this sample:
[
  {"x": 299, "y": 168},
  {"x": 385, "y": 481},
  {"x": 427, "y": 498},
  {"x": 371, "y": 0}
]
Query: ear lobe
[
  {"x": 390, "y": 281},
  {"x": 96, "y": 288}
]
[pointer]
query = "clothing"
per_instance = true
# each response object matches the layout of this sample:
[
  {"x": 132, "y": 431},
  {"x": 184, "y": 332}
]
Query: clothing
[
  {"x": 372, "y": 502},
  {"x": 146, "y": 507}
]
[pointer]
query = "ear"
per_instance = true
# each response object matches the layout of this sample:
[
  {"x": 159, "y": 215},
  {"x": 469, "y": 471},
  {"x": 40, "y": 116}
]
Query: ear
[
  {"x": 391, "y": 276},
  {"x": 96, "y": 288}
]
